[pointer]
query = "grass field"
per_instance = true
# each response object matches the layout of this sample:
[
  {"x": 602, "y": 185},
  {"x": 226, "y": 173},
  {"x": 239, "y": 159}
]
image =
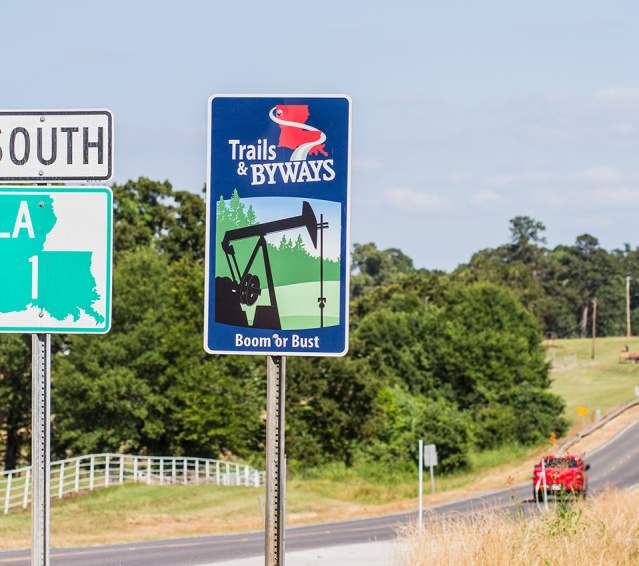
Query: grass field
[{"x": 602, "y": 383}]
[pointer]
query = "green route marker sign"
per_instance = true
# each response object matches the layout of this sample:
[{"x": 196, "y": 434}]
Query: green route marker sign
[{"x": 55, "y": 259}]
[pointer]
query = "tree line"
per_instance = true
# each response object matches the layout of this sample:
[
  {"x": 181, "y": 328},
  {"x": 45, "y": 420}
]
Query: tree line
[
  {"x": 454, "y": 358},
  {"x": 558, "y": 285}
]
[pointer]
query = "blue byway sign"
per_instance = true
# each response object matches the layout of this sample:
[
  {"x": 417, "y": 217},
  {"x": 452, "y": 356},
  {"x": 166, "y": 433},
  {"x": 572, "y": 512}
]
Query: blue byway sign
[
  {"x": 55, "y": 259},
  {"x": 277, "y": 269}
]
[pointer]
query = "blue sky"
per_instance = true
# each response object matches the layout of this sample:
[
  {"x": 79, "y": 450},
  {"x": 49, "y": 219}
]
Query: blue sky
[{"x": 465, "y": 113}]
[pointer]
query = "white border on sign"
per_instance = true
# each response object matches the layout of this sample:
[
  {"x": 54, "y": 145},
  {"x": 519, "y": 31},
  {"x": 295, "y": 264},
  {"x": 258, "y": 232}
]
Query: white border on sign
[
  {"x": 82, "y": 112},
  {"x": 208, "y": 228}
]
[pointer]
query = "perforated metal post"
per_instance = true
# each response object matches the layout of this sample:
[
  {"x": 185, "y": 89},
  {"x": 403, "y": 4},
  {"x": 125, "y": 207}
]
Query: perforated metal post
[
  {"x": 41, "y": 448},
  {"x": 275, "y": 460}
]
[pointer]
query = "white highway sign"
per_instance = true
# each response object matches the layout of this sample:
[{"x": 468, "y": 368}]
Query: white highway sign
[{"x": 56, "y": 145}]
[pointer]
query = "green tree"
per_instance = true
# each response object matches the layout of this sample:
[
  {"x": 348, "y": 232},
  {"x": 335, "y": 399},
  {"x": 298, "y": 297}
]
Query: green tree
[
  {"x": 141, "y": 212},
  {"x": 236, "y": 212},
  {"x": 372, "y": 267},
  {"x": 186, "y": 227},
  {"x": 332, "y": 413},
  {"x": 15, "y": 398},
  {"x": 110, "y": 392},
  {"x": 525, "y": 237},
  {"x": 251, "y": 217},
  {"x": 299, "y": 246},
  {"x": 473, "y": 346},
  {"x": 286, "y": 244},
  {"x": 408, "y": 418}
]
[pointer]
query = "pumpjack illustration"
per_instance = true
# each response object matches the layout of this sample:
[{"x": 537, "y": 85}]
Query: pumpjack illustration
[{"x": 244, "y": 288}]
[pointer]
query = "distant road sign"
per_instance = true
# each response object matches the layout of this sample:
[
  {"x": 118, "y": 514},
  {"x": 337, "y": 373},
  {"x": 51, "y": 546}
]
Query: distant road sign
[
  {"x": 278, "y": 201},
  {"x": 55, "y": 259},
  {"x": 56, "y": 145},
  {"x": 430, "y": 455}
]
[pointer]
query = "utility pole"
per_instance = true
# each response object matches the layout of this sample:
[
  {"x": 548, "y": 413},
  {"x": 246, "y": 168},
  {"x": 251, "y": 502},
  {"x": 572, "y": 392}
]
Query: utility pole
[
  {"x": 628, "y": 328},
  {"x": 594, "y": 327}
]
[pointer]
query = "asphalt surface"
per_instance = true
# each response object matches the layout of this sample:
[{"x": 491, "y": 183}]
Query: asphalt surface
[{"x": 616, "y": 464}]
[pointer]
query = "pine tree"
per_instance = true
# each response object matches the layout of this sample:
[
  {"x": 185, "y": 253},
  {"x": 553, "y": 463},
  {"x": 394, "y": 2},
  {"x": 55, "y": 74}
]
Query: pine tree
[
  {"x": 236, "y": 209},
  {"x": 251, "y": 218},
  {"x": 299, "y": 245},
  {"x": 222, "y": 210},
  {"x": 221, "y": 218}
]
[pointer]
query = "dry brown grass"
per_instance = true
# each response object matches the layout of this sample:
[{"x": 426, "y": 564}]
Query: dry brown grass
[{"x": 603, "y": 531}]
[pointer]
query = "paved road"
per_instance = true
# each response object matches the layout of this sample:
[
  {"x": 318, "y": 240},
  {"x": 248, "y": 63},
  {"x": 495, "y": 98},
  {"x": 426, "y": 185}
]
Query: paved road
[{"x": 616, "y": 464}]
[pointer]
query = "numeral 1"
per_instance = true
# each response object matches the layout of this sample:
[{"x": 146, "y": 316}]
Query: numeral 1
[{"x": 33, "y": 260}]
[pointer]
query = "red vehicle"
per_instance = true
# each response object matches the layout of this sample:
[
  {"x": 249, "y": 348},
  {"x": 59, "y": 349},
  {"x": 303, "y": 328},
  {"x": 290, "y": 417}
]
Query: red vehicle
[{"x": 563, "y": 474}]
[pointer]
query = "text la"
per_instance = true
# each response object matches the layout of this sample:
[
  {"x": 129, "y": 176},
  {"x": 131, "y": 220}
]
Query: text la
[{"x": 23, "y": 222}]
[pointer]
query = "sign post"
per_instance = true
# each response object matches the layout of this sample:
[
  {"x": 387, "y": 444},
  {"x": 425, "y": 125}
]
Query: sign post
[
  {"x": 55, "y": 254},
  {"x": 277, "y": 251},
  {"x": 41, "y": 448},
  {"x": 427, "y": 457},
  {"x": 275, "y": 459},
  {"x": 430, "y": 460},
  {"x": 421, "y": 486}
]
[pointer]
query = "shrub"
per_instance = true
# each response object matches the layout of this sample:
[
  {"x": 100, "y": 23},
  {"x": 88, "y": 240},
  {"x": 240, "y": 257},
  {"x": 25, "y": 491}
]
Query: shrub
[{"x": 407, "y": 418}]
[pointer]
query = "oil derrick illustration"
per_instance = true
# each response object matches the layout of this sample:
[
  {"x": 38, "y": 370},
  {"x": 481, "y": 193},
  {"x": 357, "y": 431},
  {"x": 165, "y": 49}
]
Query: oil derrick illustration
[{"x": 244, "y": 288}]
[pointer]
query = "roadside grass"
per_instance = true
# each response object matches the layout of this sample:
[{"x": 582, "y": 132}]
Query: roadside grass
[
  {"x": 366, "y": 483},
  {"x": 136, "y": 512},
  {"x": 332, "y": 492},
  {"x": 602, "y": 383},
  {"x": 603, "y": 530}
]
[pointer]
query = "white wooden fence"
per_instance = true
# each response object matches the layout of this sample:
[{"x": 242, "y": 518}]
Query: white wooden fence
[{"x": 86, "y": 473}]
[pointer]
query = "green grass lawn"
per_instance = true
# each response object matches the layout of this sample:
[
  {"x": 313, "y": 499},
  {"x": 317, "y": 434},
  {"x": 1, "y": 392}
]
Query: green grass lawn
[
  {"x": 137, "y": 512},
  {"x": 602, "y": 383}
]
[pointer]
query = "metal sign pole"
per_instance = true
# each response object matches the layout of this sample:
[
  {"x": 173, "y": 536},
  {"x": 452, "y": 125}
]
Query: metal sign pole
[
  {"x": 275, "y": 459},
  {"x": 421, "y": 486},
  {"x": 41, "y": 448},
  {"x": 432, "y": 478}
]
